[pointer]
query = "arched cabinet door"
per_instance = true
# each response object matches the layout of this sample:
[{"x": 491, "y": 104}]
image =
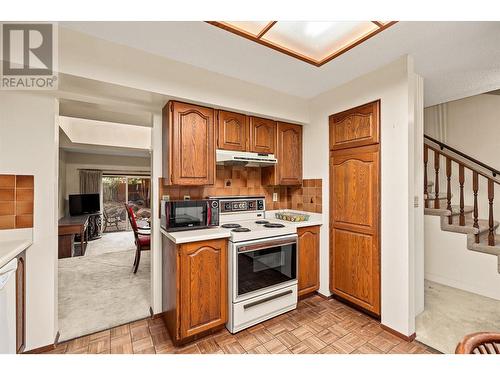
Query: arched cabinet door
[
  {"x": 262, "y": 135},
  {"x": 203, "y": 289},
  {"x": 289, "y": 154},
  {"x": 189, "y": 139},
  {"x": 232, "y": 131}
]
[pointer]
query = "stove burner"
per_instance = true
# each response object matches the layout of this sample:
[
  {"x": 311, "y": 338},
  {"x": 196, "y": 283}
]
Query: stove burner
[
  {"x": 261, "y": 222},
  {"x": 231, "y": 225},
  {"x": 274, "y": 225},
  {"x": 240, "y": 230}
]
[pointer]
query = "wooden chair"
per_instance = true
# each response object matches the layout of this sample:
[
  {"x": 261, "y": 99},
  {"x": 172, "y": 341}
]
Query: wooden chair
[
  {"x": 142, "y": 237},
  {"x": 479, "y": 343}
]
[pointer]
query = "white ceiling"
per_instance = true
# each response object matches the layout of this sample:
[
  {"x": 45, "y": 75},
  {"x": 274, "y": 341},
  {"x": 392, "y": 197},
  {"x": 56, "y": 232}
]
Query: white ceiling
[{"x": 456, "y": 59}]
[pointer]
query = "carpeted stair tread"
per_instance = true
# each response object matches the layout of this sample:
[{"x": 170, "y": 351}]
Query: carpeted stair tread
[
  {"x": 446, "y": 212},
  {"x": 468, "y": 227}
]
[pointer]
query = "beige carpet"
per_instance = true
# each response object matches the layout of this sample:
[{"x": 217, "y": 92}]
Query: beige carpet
[
  {"x": 111, "y": 243},
  {"x": 97, "y": 292},
  {"x": 451, "y": 313}
]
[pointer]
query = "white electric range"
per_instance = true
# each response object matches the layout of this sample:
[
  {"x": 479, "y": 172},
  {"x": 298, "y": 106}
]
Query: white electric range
[{"x": 262, "y": 262}]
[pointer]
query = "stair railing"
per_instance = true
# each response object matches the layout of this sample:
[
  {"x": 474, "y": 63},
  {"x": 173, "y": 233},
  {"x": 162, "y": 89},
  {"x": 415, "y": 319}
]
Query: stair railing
[{"x": 464, "y": 161}]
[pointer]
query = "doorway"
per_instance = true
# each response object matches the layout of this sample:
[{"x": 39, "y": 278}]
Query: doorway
[
  {"x": 119, "y": 190},
  {"x": 97, "y": 287}
]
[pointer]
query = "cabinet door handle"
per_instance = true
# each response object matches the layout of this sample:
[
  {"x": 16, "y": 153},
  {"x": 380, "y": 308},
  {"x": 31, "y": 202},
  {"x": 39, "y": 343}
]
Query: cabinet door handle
[{"x": 267, "y": 299}]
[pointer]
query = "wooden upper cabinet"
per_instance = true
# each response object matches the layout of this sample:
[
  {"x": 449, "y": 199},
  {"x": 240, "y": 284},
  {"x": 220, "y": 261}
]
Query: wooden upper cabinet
[
  {"x": 262, "y": 135},
  {"x": 189, "y": 141},
  {"x": 233, "y": 131},
  {"x": 289, "y": 154},
  {"x": 203, "y": 289},
  {"x": 355, "y": 127},
  {"x": 308, "y": 260}
]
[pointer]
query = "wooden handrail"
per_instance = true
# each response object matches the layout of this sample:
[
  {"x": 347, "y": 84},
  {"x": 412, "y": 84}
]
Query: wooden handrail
[
  {"x": 477, "y": 168},
  {"x": 442, "y": 145}
]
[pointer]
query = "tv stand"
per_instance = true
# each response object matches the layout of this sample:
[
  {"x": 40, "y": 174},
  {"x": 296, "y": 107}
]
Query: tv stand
[{"x": 81, "y": 228}]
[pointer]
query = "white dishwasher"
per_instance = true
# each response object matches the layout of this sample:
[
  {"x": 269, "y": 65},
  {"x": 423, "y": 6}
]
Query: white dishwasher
[{"x": 8, "y": 308}]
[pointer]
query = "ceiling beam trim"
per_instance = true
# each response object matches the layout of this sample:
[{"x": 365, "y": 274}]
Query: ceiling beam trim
[{"x": 266, "y": 29}]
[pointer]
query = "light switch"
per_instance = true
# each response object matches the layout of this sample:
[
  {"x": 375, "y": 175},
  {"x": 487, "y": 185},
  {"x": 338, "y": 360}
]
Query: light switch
[{"x": 275, "y": 197}]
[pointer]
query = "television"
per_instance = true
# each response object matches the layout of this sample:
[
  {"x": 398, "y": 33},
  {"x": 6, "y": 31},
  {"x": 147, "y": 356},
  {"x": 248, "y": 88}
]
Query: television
[{"x": 80, "y": 204}]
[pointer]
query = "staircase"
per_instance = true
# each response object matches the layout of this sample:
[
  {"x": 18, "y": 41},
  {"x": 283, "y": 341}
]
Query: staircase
[{"x": 481, "y": 233}]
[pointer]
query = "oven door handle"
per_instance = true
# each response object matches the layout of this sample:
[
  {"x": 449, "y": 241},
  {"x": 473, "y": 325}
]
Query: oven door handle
[
  {"x": 266, "y": 245},
  {"x": 267, "y": 299}
]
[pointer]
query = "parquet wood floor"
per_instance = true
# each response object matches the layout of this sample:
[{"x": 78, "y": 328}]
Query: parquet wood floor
[{"x": 323, "y": 326}]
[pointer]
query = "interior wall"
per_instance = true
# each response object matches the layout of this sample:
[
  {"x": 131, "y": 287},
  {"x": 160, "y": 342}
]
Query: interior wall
[
  {"x": 449, "y": 262},
  {"x": 418, "y": 192},
  {"x": 471, "y": 126},
  {"x": 89, "y": 57},
  {"x": 391, "y": 85},
  {"x": 29, "y": 146}
]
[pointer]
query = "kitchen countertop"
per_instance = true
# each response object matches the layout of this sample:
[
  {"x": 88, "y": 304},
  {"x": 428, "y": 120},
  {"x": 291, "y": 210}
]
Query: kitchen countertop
[
  {"x": 10, "y": 249},
  {"x": 216, "y": 233},
  {"x": 196, "y": 235},
  {"x": 314, "y": 219}
]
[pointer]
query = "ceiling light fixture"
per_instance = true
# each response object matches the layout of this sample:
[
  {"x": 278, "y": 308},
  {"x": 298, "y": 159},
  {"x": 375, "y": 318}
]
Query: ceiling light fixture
[
  {"x": 314, "y": 42},
  {"x": 317, "y": 28}
]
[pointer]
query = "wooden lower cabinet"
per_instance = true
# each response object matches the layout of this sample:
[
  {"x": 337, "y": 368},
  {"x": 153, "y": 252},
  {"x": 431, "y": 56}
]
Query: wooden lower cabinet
[
  {"x": 21, "y": 303},
  {"x": 194, "y": 288},
  {"x": 308, "y": 260}
]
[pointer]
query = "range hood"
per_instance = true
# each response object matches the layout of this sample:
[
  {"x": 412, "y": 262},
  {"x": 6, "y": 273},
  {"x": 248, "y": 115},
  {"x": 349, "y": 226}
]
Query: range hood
[{"x": 248, "y": 159}]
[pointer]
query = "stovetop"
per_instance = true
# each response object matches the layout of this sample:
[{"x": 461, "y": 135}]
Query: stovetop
[
  {"x": 257, "y": 231},
  {"x": 249, "y": 213}
]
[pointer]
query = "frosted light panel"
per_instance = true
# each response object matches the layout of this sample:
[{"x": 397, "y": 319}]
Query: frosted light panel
[
  {"x": 252, "y": 27},
  {"x": 317, "y": 40}
]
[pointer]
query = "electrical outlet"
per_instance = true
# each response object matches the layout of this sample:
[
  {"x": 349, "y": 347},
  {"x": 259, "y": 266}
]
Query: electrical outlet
[
  {"x": 187, "y": 197},
  {"x": 165, "y": 197},
  {"x": 275, "y": 197}
]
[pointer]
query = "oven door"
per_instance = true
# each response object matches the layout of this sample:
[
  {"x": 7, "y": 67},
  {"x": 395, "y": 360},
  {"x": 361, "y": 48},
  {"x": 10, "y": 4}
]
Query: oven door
[{"x": 264, "y": 265}]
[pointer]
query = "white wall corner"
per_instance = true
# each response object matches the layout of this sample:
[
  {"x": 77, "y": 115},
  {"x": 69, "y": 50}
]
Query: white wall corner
[{"x": 156, "y": 173}]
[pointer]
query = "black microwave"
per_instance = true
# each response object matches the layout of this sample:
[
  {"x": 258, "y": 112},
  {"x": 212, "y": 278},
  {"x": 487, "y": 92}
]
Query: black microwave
[{"x": 189, "y": 214}]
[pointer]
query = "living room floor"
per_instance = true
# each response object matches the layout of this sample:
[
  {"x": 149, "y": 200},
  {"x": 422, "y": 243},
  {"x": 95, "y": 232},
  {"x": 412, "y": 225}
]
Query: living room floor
[
  {"x": 318, "y": 325},
  {"x": 99, "y": 290},
  {"x": 452, "y": 313}
]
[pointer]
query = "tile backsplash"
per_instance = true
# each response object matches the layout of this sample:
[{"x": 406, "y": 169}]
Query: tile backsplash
[
  {"x": 237, "y": 180},
  {"x": 16, "y": 201}
]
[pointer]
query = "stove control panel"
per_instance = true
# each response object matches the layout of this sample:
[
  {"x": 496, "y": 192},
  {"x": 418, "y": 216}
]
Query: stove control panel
[{"x": 242, "y": 204}]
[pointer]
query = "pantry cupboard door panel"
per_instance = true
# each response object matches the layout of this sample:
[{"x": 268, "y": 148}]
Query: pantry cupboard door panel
[{"x": 355, "y": 127}]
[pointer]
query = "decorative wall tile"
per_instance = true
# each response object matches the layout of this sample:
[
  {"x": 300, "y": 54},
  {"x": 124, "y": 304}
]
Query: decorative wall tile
[
  {"x": 16, "y": 201},
  {"x": 237, "y": 180}
]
